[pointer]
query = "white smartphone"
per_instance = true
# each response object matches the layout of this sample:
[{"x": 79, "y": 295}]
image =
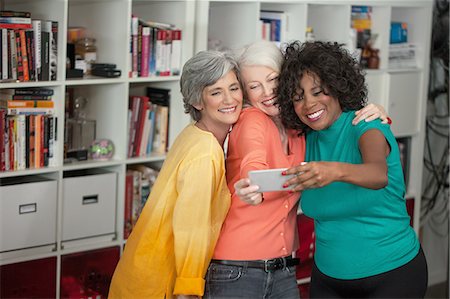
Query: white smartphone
[{"x": 269, "y": 179}]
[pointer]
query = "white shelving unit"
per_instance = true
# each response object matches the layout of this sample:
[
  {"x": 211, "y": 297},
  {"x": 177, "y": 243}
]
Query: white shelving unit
[
  {"x": 231, "y": 24},
  {"x": 109, "y": 21}
]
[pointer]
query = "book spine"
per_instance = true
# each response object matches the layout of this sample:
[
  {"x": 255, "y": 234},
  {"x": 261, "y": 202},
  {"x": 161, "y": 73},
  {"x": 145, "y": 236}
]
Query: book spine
[
  {"x": 13, "y": 54},
  {"x": 21, "y": 135},
  {"x": 11, "y": 143},
  {"x": 31, "y": 97},
  {"x": 30, "y": 53},
  {"x": 38, "y": 110},
  {"x": 51, "y": 141},
  {"x": 7, "y": 141},
  {"x": 175, "y": 65},
  {"x": 15, "y": 20},
  {"x": 54, "y": 51},
  {"x": 160, "y": 39},
  {"x": 2, "y": 140},
  {"x": 37, "y": 141},
  {"x": 18, "y": 14},
  {"x": 45, "y": 140},
  {"x": 23, "y": 48},
  {"x": 35, "y": 92},
  {"x": 15, "y": 26},
  {"x": 4, "y": 54},
  {"x": 47, "y": 34},
  {"x": 139, "y": 48},
  {"x": 20, "y": 74},
  {"x": 134, "y": 36},
  {"x": 26, "y": 104},
  {"x": 37, "y": 47},
  {"x": 145, "y": 51},
  {"x": 32, "y": 140},
  {"x": 140, "y": 124}
]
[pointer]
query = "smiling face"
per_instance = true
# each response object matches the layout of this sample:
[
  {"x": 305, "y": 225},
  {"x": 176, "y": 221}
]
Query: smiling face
[
  {"x": 260, "y": 83},
  {"x": 221, "y": 103},
  {"x": 313, "y": 106}
]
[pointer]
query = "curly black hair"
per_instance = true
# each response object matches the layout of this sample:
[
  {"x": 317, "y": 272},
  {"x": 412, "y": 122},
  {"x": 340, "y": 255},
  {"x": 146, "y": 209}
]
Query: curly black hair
[{"x": 340, "y": 74}]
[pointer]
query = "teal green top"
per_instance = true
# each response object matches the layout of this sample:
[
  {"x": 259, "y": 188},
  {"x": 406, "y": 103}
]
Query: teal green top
[{"x": 360, "y": 232}]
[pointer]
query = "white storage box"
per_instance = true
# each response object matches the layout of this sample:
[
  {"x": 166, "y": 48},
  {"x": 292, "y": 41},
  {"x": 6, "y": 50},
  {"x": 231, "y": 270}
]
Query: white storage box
[
  {"x": 27, "y": 212},
  {"x": 89, "y": 204}
]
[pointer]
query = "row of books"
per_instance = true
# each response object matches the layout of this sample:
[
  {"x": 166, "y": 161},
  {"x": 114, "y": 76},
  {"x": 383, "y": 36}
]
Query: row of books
[
  {"x": 139, "y": 180},
  {"x": 274, "y": 25},
  {"x": 155, "y": 49},
  {"x": 29, "y": 141},
  {"x": 28, "y": 128},
  {"x": 148, "y": 121},
  {"x": 29, "y": 48}
]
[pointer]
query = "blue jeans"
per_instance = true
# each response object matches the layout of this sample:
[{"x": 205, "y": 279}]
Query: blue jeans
[{"x": 225, "y": 281}]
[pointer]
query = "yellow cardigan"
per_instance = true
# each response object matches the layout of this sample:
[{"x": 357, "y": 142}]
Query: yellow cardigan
[{"x": 169, "y": 249}]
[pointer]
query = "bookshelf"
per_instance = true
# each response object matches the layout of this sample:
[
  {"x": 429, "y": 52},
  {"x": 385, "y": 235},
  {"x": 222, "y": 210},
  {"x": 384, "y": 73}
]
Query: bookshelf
[
  {"x": 400, "y": 88},
  {"x": 73, "y": 237}
]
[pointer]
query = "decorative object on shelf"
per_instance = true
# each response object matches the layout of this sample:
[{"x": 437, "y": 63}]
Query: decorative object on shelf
[
  {"x": 86, "y": 54},
  {"x": 107, "y": 70},
  {"x": 309, "y": 34},
  {"x": 80, "y": 131},
  {"x": 101, "y": 149},
  {"x": 374, "y": 59}
]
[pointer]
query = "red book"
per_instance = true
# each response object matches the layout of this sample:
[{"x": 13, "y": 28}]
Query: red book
[
  {"x": 37, "y": 141},
  {"x": 145, "y": 53},
  {"x": 134, "y": 104},
  {"x": 15, "y": 26},
  {"x": 2, "y": 140},
  {"x": 11, "y": 143},
  {"x": 143, "y": 107}
]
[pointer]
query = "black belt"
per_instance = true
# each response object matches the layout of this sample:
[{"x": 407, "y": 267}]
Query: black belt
[{"x": 266, "y": 265}]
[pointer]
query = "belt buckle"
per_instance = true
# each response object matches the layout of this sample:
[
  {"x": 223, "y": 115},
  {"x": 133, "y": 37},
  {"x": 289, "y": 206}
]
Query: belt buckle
[
  {"x": 274, "y": 264},
  {"x": 266, "y": 266}
]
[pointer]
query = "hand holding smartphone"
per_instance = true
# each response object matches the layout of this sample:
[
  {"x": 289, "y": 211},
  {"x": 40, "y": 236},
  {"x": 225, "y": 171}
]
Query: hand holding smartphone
[{"x": 269, "y": 179}]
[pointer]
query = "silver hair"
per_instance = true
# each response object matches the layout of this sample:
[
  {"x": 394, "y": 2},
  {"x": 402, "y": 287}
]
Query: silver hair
[
  {"x": 260, "y": 53},
  {"x": 204, "y": 69}
]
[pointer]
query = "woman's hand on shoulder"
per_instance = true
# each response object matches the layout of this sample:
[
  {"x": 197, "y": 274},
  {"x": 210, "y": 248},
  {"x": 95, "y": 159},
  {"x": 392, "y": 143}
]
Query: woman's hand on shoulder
[
  {"x": 371, "y": 112},
  {"x": 248, "y": 193}
]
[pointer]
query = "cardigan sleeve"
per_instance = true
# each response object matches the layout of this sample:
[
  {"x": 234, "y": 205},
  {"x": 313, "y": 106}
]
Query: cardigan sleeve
[{"x": 192, "y": 223}]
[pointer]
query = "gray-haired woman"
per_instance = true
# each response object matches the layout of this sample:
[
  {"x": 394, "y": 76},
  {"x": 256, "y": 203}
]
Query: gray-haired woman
[{"x": 170, "y": 248}]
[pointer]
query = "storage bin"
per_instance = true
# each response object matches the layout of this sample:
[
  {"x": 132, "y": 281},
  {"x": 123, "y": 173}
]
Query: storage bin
[
  {"x": 31, "y": 279},
  {"x": 88, "y": 274},
  {"x": 27, "y": 212},
  {"x": 89, "y": 204}
]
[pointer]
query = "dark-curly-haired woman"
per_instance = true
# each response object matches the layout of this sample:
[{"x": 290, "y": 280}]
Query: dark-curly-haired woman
[{"x": 352, "y": 183}]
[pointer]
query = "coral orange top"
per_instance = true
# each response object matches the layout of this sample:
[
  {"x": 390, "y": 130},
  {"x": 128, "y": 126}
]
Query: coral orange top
[{"x": 267, "y": 230}]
